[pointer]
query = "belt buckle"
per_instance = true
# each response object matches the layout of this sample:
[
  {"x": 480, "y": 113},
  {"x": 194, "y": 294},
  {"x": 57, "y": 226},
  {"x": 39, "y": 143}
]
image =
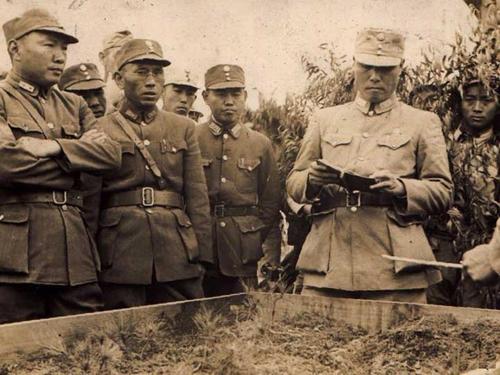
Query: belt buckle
[
  {"x": 57, "y": 201},
  {"x": 219, "y": 210},
  {"x": 353, "y": 200},
  {"x": 148, "y": 196}
]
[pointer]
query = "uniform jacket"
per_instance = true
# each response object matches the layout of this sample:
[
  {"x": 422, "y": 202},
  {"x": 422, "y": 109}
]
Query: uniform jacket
[
  {"x": 44, "y": 243},
  {"x": 240, "y": 170},
  {"x": 475, "y": 164},
  {"x": 135, "y": 241},
  {"x": 343, "y": 249}
]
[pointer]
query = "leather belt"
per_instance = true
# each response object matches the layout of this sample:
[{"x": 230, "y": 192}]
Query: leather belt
[
  {"x": 57, "y": 197},
  {"x": 353, "y": 200},
  {"x": 145, "y": 197},
  {"x": 220, "y": 210}
]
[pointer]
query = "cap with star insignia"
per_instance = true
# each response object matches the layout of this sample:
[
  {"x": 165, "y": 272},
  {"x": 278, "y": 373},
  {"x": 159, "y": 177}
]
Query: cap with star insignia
[
  {"x": 35, "y": 20},
  {"x": 139, "y": 50},
  {"x": 81, "y": 77},
  {"x": 379, "y": 47},
  {"x": 224, "y": 76},
  {"x": 180, "y": 77}
]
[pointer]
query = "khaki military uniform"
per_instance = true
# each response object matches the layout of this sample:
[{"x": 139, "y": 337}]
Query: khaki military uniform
[
  {"x": 44, "y": 239},
  {"x": 344, "y": 247},
  {"x": 151, "y": 239},
  {"x": 243, "y": 187}
]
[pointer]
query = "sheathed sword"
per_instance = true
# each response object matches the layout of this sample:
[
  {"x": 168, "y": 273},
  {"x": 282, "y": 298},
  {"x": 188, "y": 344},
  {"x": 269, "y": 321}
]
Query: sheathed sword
[{"x": 424, "y": 262}]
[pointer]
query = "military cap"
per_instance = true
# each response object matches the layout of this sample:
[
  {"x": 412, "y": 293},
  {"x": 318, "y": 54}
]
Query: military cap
[
  {"x": 35, "y": 20},
  {"x": 140, "y": 49},
  {"x": 81, "y": 77},
  {"x": 224, "y": 77},
  {"x": 181, "y": 77},
  {"x": 379, "y": 47},
  {"x": 116, "y": 40}
]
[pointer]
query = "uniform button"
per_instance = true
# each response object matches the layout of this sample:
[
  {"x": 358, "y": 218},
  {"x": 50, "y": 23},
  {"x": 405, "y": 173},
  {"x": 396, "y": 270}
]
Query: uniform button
[
  {"x": 149, "y": 210},
  {"x": 50, "y": 125},
  {"x": 174, "y": 149},
  {"x": 64, "y": 207},
  {"x": 366, "y": 135},
  {"x": 224, "y": 157},
  {"x": 354, "y": 209},
  {"x": 147, "y": 167},
  {"x": 146, "y": 142},
  {"x": 371, "y": 113},
  {"x": 223, "y": 180},
  {"x": 1, "y": 217},
  {"x": 225, "y": 136},
  {"x": 143, "y": 123},
  {"x": 223, "y": 224}
]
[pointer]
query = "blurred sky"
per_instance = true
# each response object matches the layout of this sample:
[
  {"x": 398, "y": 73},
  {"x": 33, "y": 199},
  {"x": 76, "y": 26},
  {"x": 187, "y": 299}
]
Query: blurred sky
[{"x": 266, "y": 37}]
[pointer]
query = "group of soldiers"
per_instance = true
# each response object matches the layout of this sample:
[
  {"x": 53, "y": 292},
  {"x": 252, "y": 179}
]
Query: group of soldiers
[{"x": 108, "y": 201}]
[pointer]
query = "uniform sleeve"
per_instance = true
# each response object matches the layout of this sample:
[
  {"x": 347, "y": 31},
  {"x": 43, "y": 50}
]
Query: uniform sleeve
[
  {"x": 89, "y": 156},
  {"x": 310, "y": 151},
  {"x": 430, "y": 192},
  {"x": 196, "y": 196},
  {"x": 19, "y": 167},
  {"x": 269, "y": 189}
]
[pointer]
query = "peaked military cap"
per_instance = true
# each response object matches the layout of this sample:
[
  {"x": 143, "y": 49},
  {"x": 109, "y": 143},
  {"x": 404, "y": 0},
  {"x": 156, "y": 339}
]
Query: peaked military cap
[
  {"x": 81, "y": 77},
  {"x": 379, "y": 47},
  {"x": 116, "y": 40},
  {"x": 224, "y": 76},
  {"x": 139, "y": 50},
  {"x": 181, "y": 77},
  {"x": 35, "y": 20}
]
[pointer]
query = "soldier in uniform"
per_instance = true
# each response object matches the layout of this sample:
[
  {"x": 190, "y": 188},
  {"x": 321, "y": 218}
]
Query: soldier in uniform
[
  {"x": 179, "y": 93},
  {"x": 403, "y": 150},
  {"x": 84, "y": 80},
  {"x": 48, "y": 261},
  {"x": 154, "y": 227},
  {"x": 243, "y": 183}
]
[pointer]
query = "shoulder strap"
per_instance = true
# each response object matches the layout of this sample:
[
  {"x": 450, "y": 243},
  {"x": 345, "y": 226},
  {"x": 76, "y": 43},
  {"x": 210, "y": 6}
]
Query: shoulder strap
[
  {"x": 162, "y": 183},
  {"x": 42, "y": 124}
]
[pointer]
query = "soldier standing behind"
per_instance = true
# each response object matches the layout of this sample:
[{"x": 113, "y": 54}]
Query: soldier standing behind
[
  {"x": 84, "y": 80},
  {"x": 243, "y": 183},
  {"x": 48, "y": 260},
  {"x": 179, "y": 93},
  {"x": 154, "y": 226},
  {"x": 398, "y": 146}
]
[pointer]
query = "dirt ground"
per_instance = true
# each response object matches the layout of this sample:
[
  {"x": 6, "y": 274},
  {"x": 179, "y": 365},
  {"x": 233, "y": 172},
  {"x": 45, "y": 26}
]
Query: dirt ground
[{"x": 244, "y": 342}]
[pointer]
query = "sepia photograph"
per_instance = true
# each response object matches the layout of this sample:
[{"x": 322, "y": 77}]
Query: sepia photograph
[{"x": 250, "y": 187}]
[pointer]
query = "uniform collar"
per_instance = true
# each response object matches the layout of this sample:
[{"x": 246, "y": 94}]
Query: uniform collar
[
  {"x": 461, "y": 135},
  {"x": 30, "y": 88},
  {"x": 137, "y": 116},
  {"x": 378, "y": 108},
  {"x": 217, "y": 129}
]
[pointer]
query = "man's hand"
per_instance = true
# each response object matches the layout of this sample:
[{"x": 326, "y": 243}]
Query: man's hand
[
  {"x": 94, "y": 135},
  {"x": 477, "y": 264},
  {"x": 41, "y": 148},
  {"x": 320, "y": 175},
  {"x": 388, "y": 183}
]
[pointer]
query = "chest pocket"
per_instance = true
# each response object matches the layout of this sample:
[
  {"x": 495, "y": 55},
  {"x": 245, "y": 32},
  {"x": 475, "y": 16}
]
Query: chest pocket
[
  {"x": 247, "y": 174},
  {"x": 172, "y": 155},
  {"x": 70, "y": 130},
  {"x": 23, "y": 127},
  {"x": 335, "y": 148},
  {"x": 393, "y": 141}
]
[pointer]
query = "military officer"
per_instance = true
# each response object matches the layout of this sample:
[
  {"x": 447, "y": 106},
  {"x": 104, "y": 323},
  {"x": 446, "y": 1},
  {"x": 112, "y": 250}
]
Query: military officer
[
  {"x": 48, "y": 262},
  {"x": 398, "y": 146},
  {"x": 179, "y": 93},
  {"x": 154, "y": 228},
  {"x": 84, "y": 80},
  {"x": 243, "y": 183}
]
